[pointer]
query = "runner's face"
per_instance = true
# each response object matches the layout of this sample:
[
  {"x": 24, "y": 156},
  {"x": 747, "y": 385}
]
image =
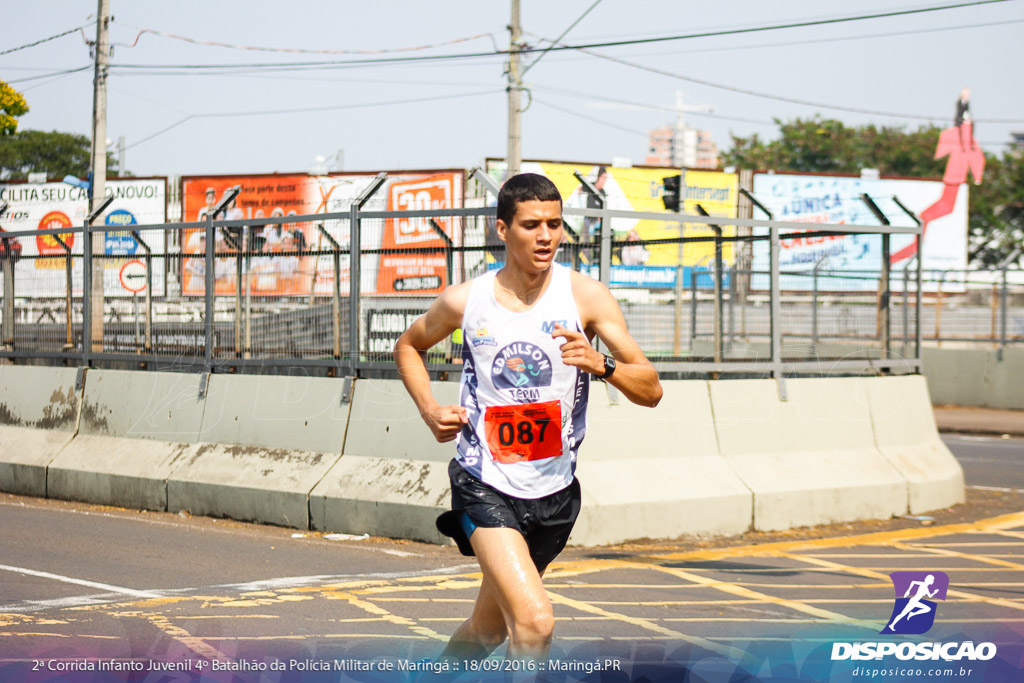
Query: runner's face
[{"x": 534, "y": 235}]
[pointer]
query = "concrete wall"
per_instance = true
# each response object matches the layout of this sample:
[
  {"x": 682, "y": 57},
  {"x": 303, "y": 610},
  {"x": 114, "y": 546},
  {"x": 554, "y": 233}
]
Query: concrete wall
[
  {"x": 975, "y": 377},
  {"x": 38, "y": 413},
  {"x": 714, "y": 458}
]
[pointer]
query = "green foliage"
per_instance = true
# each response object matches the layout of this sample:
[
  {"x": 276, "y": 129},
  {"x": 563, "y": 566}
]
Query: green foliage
[
  {"x": 827, "y": 146},
  {"x": 54, "y": 153},
  {"x": 996, "y": 212},
  {"x": 12, "y": 105}
]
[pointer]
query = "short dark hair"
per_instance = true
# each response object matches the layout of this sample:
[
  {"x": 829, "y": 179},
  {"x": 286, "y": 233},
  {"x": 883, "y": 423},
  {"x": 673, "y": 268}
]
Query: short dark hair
[{"x": 524, "y": 187}]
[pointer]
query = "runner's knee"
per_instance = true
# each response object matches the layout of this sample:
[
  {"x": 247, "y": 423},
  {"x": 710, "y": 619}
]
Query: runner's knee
[{"x": 534, "y": 628}]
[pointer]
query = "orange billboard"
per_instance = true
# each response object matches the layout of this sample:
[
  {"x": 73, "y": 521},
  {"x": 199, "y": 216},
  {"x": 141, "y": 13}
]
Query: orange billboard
[
  {"x": 423, "y": 271},
  {"x": 293, "y": 259}
]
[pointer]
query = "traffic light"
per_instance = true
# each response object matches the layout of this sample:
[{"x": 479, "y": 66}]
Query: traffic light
[{"x": 670, "y": 195}]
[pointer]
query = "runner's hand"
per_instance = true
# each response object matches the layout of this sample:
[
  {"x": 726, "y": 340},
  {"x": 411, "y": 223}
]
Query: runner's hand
[
  {"x": 446, "y": 421},
  {"x": 578, "y": 352}
]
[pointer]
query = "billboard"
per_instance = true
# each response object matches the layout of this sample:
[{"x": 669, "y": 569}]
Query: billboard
[
  {"x": 837, "y": 199},
  {"x": 283, "y": 265},
  {"x": 640, "y": 188},
  {"x": 52, "y": 205}
]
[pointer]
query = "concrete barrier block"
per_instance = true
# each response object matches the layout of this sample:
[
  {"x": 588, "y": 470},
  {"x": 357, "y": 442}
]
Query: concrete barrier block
[
  {"x": 25, "y": 453},
  {"x": 382, "y": 497},
  {"x": 385, "y": 423},
  {"x": 656, "y": 473},
  {"x": 248, "y": 483},
  {"x": 38, "y": 397},
  {"x": 1006, "y": 380},
  {"x": 38, "y": 409},
  {"x": 810, "y": 459},
  {"x": 906, "y": 436},
  {"x": 162, "y": 406},
  {"x": 109, "y": 470},
  {"x": 271, "y": 411}
]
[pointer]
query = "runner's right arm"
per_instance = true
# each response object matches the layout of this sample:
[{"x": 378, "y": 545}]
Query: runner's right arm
[{"x": 443, "y": 318}]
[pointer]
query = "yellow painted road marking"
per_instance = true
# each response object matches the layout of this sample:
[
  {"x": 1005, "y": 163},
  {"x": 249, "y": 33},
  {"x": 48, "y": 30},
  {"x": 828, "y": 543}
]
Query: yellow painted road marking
[
  {"x": 991, "y": 525},
  {"x": 387, "y": 616},
  {"x": 955, "y": 593},
  {"x": 972, "y": 557},
  {"x": 197, "y": 645},
  {"x": 646, "y": 624},
  {"x": 745, "y": 592}
]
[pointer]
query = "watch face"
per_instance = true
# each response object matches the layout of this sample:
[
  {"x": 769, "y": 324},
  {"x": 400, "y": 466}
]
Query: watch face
[{"x": 609, "y": 366}]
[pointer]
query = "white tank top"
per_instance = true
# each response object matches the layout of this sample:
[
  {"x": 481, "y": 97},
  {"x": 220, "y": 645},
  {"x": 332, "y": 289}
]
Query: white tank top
[{"x": 527, "y": 409}]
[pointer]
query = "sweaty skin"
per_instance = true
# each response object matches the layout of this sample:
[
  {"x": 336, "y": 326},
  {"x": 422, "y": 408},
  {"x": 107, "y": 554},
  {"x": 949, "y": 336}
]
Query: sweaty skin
[{"x": 512, "y": 603}]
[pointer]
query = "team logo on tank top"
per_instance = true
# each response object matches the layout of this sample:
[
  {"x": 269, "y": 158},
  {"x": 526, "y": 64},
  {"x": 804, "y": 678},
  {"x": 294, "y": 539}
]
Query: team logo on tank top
[{"x": 519, "y": 367}]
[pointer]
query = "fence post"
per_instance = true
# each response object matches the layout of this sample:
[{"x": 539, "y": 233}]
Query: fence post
[
  {"x": 86, "y": 293},
  {"x": 814, "y": 304},
  {"x": 717, "y": 321},
  {"x": 208, "y": 291},
  {"x": 336, "y": 293},
  {"x": 693, "y": 309},
  {"x": 776, "y": 310},
  {"x": 8, "y": 266},
  {"x": 355, "y": 269},
  {"x": 1005, "y": 265}
]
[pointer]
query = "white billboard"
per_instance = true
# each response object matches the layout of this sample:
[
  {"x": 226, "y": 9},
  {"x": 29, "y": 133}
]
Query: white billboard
[
  {"x": 837, "y": 199},
  {"x": 40, "y": 206}
]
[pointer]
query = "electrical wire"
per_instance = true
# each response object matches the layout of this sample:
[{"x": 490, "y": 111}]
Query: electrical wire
[
  {"x": 591, "y": 118},
  {"x": 214, "y": 43},
  {"x": 614, "y": 43},
  {"x": 299, "y": 110},
  {"x": 673, "y": 110},
  {"x": 45, "y": 40},
  {"x": 801, "y": 43},
  {"x": 52, "y": 74},
  {"x": 778, "y": 98}
]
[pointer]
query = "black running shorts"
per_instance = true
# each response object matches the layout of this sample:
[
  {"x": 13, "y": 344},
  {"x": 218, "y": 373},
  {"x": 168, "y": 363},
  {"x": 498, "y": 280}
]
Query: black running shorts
[{"x": 545, "y": 522}]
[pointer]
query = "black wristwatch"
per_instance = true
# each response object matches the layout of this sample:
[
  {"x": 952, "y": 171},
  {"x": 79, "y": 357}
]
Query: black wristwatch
[{"x": 609, "y": 366}]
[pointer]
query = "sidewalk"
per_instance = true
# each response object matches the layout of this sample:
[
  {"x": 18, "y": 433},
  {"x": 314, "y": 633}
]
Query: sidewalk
[{"x": 968, "y": 420}]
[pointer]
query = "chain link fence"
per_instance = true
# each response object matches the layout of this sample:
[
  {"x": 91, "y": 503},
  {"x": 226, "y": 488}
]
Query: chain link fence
[{"x": 323, "y": 291}]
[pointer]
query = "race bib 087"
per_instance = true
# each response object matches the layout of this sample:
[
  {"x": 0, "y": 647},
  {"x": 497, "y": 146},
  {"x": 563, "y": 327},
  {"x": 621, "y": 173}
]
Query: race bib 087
[{"x": 530, "y": 431}]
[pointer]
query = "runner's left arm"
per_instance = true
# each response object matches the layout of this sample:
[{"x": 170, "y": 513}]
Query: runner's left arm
[{"x": 634, "y": 375}]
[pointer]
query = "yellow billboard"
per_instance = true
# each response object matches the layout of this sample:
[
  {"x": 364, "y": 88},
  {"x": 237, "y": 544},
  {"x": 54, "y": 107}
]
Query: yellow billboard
[{"x": 640, "y": 188}]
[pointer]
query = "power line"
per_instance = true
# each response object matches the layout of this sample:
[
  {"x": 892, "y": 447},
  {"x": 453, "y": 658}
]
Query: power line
[
  {"x": 298, "y": 110},
  {"x": 52, "y": 74},
  {"x": 589, "y": 96},
  {"x": 45, "y": 40},
  {"x": 214, "y": 43},
  {"x": 616, "y": 43},
  {"x": 591, "y": 118},
  {"x": 779, "y": 98},
  {"x": 801, "y": 43}
]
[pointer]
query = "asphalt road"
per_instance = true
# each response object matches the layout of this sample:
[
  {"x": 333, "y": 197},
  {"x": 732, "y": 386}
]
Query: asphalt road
[{"x": 83, "y": 585}]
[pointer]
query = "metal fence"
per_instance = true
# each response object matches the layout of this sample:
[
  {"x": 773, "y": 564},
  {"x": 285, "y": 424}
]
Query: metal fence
[{"x": 322, "y": 292}]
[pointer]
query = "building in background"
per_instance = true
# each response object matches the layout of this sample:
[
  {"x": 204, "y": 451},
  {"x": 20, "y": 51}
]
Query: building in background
[{"x": 682, "y": 147}]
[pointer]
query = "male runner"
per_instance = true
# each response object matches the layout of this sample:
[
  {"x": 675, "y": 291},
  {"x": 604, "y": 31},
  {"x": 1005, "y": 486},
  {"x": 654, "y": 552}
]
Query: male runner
[{"x": 527, "y": 360}]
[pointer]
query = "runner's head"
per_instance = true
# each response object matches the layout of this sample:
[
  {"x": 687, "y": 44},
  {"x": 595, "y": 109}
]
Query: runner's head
[
  {"x": 523, "y": 188},
  {"x": 530, "y": 222}
]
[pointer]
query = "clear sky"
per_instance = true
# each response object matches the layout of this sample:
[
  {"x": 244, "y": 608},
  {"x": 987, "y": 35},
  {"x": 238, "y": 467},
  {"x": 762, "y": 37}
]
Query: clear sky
[{"x": 179, "y": 119}]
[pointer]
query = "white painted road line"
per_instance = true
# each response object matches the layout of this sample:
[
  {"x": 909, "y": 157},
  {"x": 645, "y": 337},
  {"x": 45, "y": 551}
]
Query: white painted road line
[
  {"x": 80, "y": 582},
  {"x": 994, "y": 488}
]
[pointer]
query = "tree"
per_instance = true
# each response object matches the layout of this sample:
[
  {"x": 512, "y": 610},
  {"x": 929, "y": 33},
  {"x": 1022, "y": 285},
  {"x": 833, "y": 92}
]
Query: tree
[
  {"x": 996, "y": 211},
  {"x": 819, "y": 145},
  {"x": 55, "y": 154},
  {"x": 12, "y": 105}
]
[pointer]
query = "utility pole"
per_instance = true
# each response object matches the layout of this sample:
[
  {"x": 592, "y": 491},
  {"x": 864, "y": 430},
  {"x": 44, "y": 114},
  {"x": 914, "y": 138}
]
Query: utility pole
[
  {"x": 98, "y": 164},
  {"x": 515, "y": 94}
]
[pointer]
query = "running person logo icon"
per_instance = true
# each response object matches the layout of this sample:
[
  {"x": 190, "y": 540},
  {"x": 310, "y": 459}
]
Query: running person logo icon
[{"x": 914, "y": 613}]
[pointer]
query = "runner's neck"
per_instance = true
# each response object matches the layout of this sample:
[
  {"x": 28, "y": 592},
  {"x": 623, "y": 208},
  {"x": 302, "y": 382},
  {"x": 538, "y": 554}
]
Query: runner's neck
[{"x": 519, "y": 291}]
